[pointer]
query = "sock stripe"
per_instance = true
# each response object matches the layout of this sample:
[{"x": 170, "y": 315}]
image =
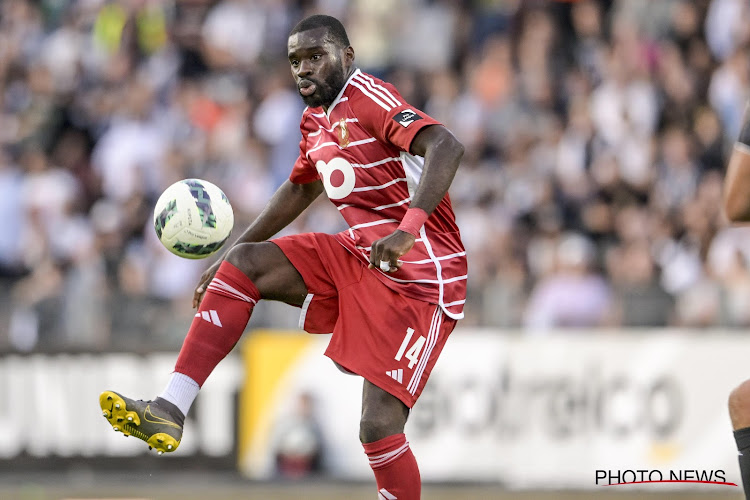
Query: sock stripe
[
  {"x": 218, "y": 285},
  {"x": 382, "y": 455},
  {"x": 379, "y": 461},
  {"x": 395, "y": 468}
]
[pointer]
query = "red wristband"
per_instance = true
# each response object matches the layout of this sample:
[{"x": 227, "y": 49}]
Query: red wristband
[{"x": 413, "y": 221}]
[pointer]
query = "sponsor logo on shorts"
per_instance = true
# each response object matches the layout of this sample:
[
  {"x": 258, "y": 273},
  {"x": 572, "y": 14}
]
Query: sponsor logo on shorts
[{"x": 397, "y": 375}]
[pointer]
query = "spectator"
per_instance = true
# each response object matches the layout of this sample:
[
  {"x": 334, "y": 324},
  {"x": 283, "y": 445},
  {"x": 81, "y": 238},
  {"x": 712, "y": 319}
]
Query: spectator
[
  {"x": 571, "y": 295},
  {"x": 298, "y": 441},
  {"x": 608, "y": 120}
]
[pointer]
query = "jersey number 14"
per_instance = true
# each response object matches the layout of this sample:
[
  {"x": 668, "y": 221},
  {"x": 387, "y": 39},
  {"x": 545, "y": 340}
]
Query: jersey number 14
[{"x": 412, "y": 354}]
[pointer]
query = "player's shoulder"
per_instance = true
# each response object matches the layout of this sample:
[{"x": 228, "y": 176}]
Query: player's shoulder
[
  {"x": 310, "y": 119},
  {"x": 368, "y": 91}
]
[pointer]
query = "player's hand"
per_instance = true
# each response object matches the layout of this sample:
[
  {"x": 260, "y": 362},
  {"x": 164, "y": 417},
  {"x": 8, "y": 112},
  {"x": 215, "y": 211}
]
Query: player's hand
[
  {"x": 389, "y": 249},
  {"x": 206, "y": 278}
]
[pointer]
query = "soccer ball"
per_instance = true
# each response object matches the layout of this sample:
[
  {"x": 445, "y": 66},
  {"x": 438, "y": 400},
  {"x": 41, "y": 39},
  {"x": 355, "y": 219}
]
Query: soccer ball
[{"x": 193, "y": 218}]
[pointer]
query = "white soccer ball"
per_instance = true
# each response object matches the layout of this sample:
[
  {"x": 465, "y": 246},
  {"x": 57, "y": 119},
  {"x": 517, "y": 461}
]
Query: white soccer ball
[{"x": 193, "y": 218}]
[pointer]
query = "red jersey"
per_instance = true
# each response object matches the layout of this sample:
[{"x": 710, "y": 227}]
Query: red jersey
[{"x": 359, "y": 149}]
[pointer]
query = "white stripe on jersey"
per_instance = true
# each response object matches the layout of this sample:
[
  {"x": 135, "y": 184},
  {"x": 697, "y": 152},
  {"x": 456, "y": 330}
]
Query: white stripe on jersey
[
  {"x": 360, "y": 142},
  {"x": 428, "y": 261},
  {"x": 413, "y": 167},
  {"x": 374, "y": 99},
  {"x": 456, "y": 278},
  {"x": 382, "y": 186},
  {"x": 399, "y": 203},
  {"x": 321, "y": 128},
  {"x": 438, "y": 267},
  {"x": 375, "y": 163},
  {"x": 351, "y": 144},
  {"x": 381, "y": 207},
  {"x": 435, "y": 282},
  {"x": 376, "y": 223},
  {"x": 368, "y": 77},
  {"x": 339, "y": 98},
  {"x": 321, "y": 146},
  {"x": 454, "y": 303},
  {"x": 367, "y": 249},
  {"x": 379, "y": 91}
]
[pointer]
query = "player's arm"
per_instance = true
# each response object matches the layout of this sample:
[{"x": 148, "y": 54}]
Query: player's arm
[
  {"x": 737, "y": 180},
  {"x": 442, "y": 154},
  {"x": 286, "y": 204}
]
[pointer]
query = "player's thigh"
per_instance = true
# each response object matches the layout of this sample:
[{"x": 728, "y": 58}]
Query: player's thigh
[{"x": 270, "y": 271}]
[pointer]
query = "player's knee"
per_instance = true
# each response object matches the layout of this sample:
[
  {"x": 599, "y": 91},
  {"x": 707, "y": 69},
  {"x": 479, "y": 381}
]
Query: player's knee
[
  {"x": 376, "y": 427},
  {"x": 246, "y": 257},
  {"x": 739, "y": 405}
]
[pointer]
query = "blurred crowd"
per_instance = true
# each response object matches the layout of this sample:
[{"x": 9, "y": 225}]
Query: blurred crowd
[{"x": 596, "y": 133}]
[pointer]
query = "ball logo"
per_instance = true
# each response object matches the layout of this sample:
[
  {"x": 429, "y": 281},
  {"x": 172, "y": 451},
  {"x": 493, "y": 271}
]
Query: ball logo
[{"x": 338, "y": 177}]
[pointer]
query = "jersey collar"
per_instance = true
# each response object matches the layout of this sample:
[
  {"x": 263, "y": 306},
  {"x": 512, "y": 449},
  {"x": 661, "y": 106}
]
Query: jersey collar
[{"x": 341, "y": 94}]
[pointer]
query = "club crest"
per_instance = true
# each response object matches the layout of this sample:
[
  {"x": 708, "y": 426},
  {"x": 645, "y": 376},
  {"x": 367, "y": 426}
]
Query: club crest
[{"x": 343, "y": 133}]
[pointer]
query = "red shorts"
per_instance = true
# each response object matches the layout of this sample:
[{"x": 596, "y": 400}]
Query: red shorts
[{"x": 389, "y": 339}]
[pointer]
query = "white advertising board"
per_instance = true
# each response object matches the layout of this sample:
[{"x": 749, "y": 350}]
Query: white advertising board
[
  {"x": 530, "y": 412},
  {"x": 49, "y": 405},
  {"x": 552, "y": 411}
]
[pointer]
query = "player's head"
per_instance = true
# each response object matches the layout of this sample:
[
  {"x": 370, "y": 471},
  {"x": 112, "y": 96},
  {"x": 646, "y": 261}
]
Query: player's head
[{"x": 321, "y": 58}]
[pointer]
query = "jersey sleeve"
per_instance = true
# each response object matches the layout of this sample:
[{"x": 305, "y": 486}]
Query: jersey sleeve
[
  {"x": 303, "y": 171},
  {"x": 382, "y": 111}
]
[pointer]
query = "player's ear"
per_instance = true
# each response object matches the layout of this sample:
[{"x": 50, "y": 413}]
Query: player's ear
[{"x": 349, "y": 55}]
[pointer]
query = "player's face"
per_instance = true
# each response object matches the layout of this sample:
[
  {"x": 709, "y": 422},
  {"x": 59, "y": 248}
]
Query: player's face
[{"x": 320, "y": 67}]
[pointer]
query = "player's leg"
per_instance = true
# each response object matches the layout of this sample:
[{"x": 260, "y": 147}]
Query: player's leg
[
  {"x": 395, "y": 354},
  {"x": 381, "y": 431},
  {"x": 250, "y": 272},
  {"x": 739, "y": 413}
]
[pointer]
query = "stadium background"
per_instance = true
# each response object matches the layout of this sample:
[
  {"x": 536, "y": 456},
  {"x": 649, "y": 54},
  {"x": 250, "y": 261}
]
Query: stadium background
[{"x": 589, "y": 201}]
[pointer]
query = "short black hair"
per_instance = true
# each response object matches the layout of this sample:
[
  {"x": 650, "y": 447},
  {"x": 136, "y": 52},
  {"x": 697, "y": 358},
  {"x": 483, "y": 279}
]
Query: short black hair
[{"x": 335, "y": 29}]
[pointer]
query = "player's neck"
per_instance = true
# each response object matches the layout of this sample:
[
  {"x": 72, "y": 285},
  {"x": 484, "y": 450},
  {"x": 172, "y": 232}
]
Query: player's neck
[{"x": 346, "y": 80}]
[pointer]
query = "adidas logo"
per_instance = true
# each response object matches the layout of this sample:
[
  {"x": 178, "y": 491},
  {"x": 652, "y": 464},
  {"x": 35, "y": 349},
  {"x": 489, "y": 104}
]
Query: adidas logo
[
  {"x": 384, "y": 494},
  {"x": 397, "y": 375},
  {"x": 210, "y": 316}
]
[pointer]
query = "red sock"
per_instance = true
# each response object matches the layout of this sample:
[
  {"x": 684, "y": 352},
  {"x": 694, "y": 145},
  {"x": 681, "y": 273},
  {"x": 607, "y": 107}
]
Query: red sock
[
  {"x": 395, "y": 468},
  {"x": 219, "y": 323}
]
